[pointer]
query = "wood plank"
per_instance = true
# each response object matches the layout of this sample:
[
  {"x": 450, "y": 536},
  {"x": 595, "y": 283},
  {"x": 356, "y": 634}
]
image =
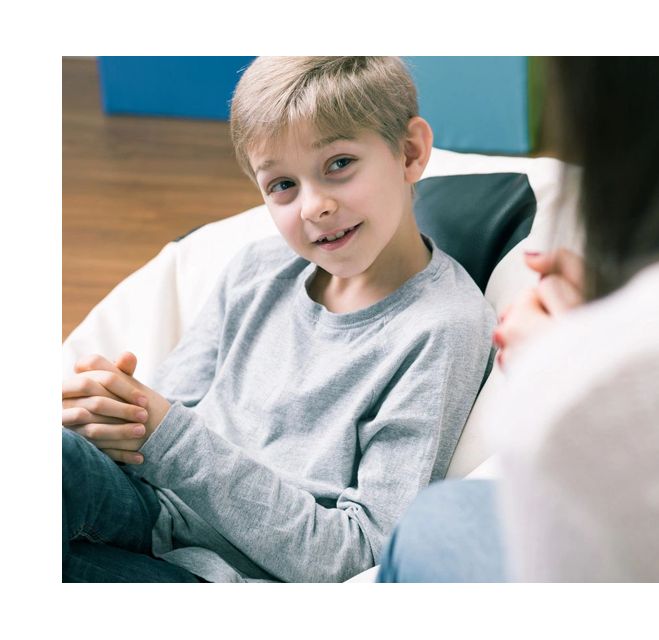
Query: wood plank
[{"x": 132, "y": 184}]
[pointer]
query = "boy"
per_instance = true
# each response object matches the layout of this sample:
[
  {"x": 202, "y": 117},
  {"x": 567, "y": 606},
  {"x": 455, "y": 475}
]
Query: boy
[{"x": 326, "y": 380}]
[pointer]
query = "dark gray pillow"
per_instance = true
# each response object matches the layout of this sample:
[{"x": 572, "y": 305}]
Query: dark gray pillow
[{"x": 476, "y": 219}]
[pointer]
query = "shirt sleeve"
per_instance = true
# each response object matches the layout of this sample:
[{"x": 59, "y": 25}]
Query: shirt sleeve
[
  {"x": 187, "y": 373},
  {"x": 281, "y": 527}
]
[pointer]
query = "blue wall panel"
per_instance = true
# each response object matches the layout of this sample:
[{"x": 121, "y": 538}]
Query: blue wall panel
[
  {"x": 474, "y": 103},
  {"x": 471, "y": 103}
]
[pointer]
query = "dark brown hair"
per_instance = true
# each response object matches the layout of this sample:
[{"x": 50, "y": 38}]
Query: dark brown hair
[{"x": 609, "y": 110}]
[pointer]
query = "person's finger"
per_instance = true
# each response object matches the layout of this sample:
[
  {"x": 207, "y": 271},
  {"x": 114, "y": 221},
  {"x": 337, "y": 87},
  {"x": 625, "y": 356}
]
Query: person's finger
[
  {"x": 79, "y": 415},
  {"x": 505, "y": 312},
  {"x": 103, "y": 406},
  {"x": 112, "y": 435},
  {"x": 522, "y": 318},
  {"x": 127, "y": 457},
  {"x": 558, "y": 295},
  {"x": 126, "y": 362},
  {"x": 562, "y": 262},
  {"x": 117, "y": 384}
]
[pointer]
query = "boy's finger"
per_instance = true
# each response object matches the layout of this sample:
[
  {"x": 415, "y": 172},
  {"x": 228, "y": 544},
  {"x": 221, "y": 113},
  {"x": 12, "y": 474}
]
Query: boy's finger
[
  {"x": 126, "y": 362},
  {"x": 107, "y": 407},
  {"x": 119, "y": 445},
  {"x": 116, "y": 436},
  {"x": 93, "y": 363},
  {"x": 75, "y": 416},
  {"x": 117, "y": 385},
  {"x": 83, "y": 385},
  {"x": 127, "y": 457}
]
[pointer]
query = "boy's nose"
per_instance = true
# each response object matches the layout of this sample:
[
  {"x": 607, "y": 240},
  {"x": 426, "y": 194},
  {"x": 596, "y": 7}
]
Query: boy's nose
[{"x": 317, "y": 205}]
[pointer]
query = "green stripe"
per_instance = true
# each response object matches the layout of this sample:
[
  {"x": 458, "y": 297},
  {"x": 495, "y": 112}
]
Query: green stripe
[{"x": 536, "y": 79}]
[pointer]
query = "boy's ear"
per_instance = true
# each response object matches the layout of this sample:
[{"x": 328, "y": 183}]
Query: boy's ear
[{"x": 417, "y": 148}]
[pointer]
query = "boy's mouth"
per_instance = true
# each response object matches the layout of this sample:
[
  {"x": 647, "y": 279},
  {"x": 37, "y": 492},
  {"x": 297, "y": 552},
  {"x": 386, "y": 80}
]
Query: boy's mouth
[{"x": 338, "y": 239}]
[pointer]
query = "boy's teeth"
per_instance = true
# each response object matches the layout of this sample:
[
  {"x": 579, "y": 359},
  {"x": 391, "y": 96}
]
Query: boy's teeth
[{"x": 340, "y": 234}]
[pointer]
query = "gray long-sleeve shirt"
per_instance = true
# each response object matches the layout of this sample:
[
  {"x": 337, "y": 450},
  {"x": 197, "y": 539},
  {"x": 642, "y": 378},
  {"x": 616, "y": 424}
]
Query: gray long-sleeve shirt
[{"x": 298, "y": 436}]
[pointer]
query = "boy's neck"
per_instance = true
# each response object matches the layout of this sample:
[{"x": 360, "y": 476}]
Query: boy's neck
[{"x": 405, "y": 256}]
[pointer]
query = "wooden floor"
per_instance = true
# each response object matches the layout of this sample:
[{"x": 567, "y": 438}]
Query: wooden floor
[{"x": 132, "y": 184}]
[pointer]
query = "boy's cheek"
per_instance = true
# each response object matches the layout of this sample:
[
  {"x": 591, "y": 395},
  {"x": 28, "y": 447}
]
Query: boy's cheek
[{"x": 291, "y": 228}]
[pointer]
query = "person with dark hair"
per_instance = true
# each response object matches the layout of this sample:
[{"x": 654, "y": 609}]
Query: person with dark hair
[{"x": 578, "y": 498}]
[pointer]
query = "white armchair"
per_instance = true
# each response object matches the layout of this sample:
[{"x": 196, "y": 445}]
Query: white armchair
[{"x": 148, "y": 312}]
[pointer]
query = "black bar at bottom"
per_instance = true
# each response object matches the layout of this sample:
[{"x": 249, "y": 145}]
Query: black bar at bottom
[{"x": 176, "y": 609}]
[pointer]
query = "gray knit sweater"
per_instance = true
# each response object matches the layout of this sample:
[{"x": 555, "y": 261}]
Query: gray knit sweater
[{"x": 297, "y": 436}]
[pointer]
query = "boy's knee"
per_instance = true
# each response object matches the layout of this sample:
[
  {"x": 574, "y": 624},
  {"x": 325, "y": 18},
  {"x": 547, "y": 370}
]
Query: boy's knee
[
  {"x": 71, "y": 443},
  {"x": 76, "y": 451}
]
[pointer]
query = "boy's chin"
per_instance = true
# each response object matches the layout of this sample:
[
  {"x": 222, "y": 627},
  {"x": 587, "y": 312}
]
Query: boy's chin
[{"x": 343, "y": 272}]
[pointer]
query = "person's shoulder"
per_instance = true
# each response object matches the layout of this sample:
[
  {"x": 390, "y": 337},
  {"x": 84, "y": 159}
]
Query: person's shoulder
[{"x": 264, "y": 260}]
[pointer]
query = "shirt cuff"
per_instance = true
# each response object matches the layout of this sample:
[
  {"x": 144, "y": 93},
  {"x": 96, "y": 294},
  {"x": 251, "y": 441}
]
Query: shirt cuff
[{"x": 170, "y": 431}]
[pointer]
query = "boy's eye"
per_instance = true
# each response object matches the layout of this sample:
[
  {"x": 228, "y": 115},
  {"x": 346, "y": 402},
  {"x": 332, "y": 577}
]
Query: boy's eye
[
  {"x": 340, "y": 164},
  {"x": 282, "y": 186}
]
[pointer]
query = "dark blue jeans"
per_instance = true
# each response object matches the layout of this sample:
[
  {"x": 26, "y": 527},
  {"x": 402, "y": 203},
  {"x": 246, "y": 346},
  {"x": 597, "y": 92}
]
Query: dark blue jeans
[
  {"x": 108, "y": 515},
  {"x": 450, "y": 533}
]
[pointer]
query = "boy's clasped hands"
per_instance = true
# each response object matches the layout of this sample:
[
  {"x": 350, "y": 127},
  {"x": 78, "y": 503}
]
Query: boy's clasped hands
[{"x": 106, "y": 405}]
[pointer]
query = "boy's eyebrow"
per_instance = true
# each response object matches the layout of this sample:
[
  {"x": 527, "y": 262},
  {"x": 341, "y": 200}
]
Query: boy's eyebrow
[
  {"x": 324, "y": 142},
  {"x": 263, "y": 166},
  {"x": 319, "y": 144}
]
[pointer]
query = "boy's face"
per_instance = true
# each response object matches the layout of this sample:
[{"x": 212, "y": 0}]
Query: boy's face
[{"x": 317, "y": 188}]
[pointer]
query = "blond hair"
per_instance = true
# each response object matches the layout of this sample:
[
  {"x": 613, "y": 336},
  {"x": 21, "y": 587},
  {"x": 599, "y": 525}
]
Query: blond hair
[{"x": 338, "y": 96}]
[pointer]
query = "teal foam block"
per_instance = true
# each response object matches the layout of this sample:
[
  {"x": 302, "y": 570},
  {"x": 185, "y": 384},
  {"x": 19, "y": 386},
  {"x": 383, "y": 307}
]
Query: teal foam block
[
  {"x": 182, "y": 86},
  {"x": 478, "y": 104}
]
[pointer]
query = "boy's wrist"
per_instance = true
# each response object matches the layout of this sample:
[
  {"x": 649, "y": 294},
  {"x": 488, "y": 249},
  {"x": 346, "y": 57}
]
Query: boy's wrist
[{"x": 157, "y": 408}]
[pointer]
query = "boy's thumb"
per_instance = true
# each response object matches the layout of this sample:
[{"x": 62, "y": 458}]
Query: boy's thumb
[{"x": 126, "y": 362}]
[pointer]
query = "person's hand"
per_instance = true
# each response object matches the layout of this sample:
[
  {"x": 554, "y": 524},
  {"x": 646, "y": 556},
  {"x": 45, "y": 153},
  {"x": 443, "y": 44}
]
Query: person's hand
[
  {"x": 561, "y": 285},
  {"x": 97, "y": 406},
  {"x": 559, "y": 290},
  {"x": 524, "y": 318}
]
